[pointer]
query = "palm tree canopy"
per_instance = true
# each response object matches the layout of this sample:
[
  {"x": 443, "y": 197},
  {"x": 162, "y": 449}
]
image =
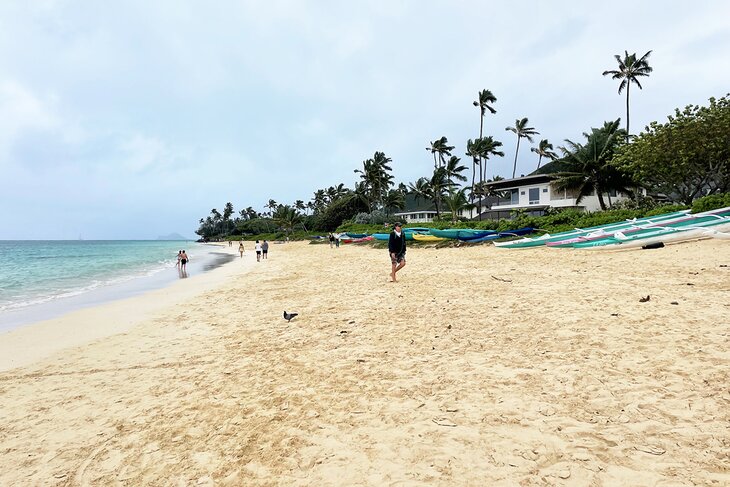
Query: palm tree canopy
[
  {"x": 454, "y": 169},
  {"x": 522, "y": 130},
  {"x": 442, "y": 148},
  {"x": 629, "y": 69},
  {"x": 485, "y": 98},
  {"x": 588, "y": 166}
]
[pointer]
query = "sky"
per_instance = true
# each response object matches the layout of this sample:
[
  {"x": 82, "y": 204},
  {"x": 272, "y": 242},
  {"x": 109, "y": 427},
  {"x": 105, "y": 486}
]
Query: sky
[{"x": 134, "y": 119}]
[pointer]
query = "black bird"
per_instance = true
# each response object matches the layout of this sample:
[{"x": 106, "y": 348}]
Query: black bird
[{"x": 289, "y": 316}]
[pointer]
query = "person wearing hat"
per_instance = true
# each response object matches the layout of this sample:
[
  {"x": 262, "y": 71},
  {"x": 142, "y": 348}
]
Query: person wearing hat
[{"x": 397, "y": 250}]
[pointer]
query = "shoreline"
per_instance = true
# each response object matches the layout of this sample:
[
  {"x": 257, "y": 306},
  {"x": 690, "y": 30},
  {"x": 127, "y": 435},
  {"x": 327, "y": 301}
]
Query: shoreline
[
  {"x": 30, "y": 340},
  {"x": 480, "y": 366},
  {"x": 128, "y": 286}
]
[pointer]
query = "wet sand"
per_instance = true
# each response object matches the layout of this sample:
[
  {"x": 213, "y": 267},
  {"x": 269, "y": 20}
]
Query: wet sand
[{"x": 480, "y": 367}]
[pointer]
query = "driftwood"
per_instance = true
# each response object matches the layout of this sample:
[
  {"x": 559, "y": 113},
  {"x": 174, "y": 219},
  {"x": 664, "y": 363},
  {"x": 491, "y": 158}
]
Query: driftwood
[{"x": 500, "y": 279}]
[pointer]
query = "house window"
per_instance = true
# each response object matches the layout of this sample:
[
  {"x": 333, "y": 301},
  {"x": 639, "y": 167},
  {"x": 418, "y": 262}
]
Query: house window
[
  {"x": 544, "y": 190},
  {"x": 534, "y": 196},
  {"x": 514, "y": 197},
  {"x": 612, "y": 193}
]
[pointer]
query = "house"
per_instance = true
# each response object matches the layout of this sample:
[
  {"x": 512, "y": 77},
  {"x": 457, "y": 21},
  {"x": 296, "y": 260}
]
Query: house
[
  {"x": 416, "y": 210},
  {"x": 420, "y": 210},
  {"x": 536, "y": 192}
]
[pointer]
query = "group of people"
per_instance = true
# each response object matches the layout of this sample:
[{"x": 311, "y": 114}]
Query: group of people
[
  {"x": 182, "y": 263},
  {"x": 182, "y": 259},
  {"x": 262, "y": 250},
  {"x": 334, "y": 241}
]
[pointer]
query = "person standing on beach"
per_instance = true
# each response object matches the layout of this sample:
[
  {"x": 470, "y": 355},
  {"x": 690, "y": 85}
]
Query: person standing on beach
[
  {"x": 183, "y": 260},
  {"x": 257, "y": 247},
  {"x": 397, "y": 250},
  {"x": 332, "y": 240},
  {"x": 179, "y": 256},
  {"x": 265, "y": 249},
  {"x": 241, "y": 249},
  {"x": 337, "y": 241}
]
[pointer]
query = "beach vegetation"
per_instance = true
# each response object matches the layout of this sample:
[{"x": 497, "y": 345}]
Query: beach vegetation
[
  {"x": 588, "y": 169},
  {"x": 685, "y": 158}
]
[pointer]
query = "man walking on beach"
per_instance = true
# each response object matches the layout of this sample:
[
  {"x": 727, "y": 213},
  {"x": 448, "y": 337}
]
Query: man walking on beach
[
  {"x": 397, "y": 250},
  {"x": 265, "y": 249},
  {"x": 257, "y": 247}
]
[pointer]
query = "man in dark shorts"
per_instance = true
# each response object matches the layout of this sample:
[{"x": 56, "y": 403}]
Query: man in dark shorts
[
  {"x": 265, "y": 249},
  {"x": 397, "y": 250}
]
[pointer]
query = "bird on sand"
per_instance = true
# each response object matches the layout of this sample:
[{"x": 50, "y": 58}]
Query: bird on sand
[{"x": 289, "y": 316}]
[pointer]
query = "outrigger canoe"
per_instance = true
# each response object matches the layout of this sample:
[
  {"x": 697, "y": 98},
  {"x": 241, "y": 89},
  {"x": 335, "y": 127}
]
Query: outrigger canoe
[
  {"x": 419, "y": 237},
  {"x": 610, "y": 227}
]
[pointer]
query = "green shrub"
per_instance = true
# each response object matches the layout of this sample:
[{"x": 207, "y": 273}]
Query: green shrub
[{"x": 711, "y": 202}]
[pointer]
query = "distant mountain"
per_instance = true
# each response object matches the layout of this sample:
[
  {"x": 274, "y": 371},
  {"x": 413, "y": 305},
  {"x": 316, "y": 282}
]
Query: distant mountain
[{"x": 172, "y": 236}]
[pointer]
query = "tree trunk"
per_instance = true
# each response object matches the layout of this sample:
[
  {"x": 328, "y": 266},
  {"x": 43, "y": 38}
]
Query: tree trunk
[
  {"x": 628, "y": 87},
  {"x": 517, "y": 151},
  {"x": 539, "y": 160},
  {"x": 600, "y": 200}
]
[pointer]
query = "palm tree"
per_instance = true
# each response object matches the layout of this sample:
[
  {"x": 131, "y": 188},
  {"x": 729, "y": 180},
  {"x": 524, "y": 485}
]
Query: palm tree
[
  {"x": 394, "y": 200},
  {"x": 485, "y": 98},
  {"x": 442, "y": 148},
  {"x": 629, "y": 69},
  {"x": 456, "y": 201},
  {"x": 522, "y": 131},
  {"x": 377, "y": 178},
  {"x": 472, "y": 150},
  {"x": 431, "y": 189},
  {"x": 453, "y": 170},
  {"x": 589, "y": 166},
  {"x": 544, "y": 149},
  {"x": 286, "y": 217},
  {"x": 481, "y": 150}
]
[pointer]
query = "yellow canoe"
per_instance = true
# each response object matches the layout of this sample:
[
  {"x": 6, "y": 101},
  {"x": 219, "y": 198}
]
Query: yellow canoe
[{"x": 427, "y": 238}]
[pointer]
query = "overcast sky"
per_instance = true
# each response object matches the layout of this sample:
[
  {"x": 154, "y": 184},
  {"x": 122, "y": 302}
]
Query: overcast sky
[{"x": 133, "y": 119}]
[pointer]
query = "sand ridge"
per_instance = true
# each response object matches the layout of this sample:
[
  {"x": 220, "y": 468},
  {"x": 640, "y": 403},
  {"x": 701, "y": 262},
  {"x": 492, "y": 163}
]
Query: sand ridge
[{"x": 482, "y": 366}]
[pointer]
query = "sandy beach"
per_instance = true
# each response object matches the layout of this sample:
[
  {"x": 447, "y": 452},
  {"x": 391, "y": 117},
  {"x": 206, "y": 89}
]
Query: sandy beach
[{"x": 480, "y": 367}]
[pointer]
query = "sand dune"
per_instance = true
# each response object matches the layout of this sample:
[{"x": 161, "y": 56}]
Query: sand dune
[{"x": 480, "y": 367}]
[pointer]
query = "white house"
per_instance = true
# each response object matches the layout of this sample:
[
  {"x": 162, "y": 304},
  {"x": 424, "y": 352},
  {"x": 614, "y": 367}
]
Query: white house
[{"x": 535, "y": 193}]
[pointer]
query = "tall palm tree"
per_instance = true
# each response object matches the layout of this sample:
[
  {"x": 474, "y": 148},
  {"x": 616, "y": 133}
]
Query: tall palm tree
[
  {"x": 629, "y": 70},
  {"x": 472, "y": 150},
  {"x": 589, "y": 166},
  {"x": 485, "y": 98},
  {"x": 544, "y": 149},
  {"x": 481, "y": 150},
  {"x": 484, "y": 101},
  {"x": 522, "y": 131},
  {"x": 442, "y": 148}
]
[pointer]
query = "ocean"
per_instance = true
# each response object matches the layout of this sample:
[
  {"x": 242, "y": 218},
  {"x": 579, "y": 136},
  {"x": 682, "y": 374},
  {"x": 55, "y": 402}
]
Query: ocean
[{"x": 43, "y": 279}]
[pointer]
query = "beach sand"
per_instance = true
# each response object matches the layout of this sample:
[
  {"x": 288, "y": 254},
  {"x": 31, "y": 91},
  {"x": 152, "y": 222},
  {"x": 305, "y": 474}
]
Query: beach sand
[{"x": 482, "y": 366}]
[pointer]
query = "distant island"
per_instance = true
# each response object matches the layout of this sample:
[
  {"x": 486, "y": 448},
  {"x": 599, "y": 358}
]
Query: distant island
[{"x": 172, "y": 236}]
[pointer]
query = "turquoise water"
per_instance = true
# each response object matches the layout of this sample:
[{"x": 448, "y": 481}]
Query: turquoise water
[{"x": 38, "y": 273}]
